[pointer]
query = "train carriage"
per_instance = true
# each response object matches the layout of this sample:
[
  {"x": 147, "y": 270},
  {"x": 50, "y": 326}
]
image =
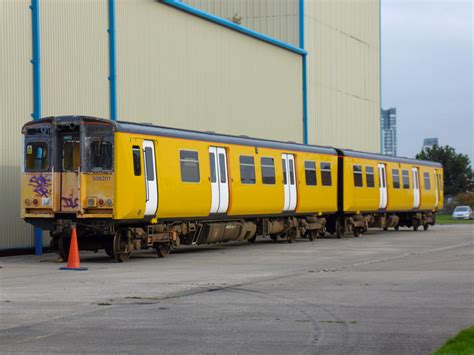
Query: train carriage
[
  {"x": 382, "y": 191},
  {"x": 128, "y": 186}
]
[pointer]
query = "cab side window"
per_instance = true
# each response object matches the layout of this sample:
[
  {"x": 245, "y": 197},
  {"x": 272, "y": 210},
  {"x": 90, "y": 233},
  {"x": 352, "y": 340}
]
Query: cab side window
[
  {"x": 405, "y": 179},
  {"x": 247, "y": 169},
  {"x": 189, "y": 161},
  {"x": 357, "y": 169},
  {"x": 137, "y": 167},
  {"x": 427, "y": 181},
  {"x": 326, "y": 178},
  {"x": 396, "y": 178},
  {"x": 369, "y": 176},
  {"x": 310, "y": 173}
]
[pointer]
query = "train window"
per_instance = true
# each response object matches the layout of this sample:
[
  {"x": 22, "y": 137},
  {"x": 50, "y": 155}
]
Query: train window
[
  {"x": 222, "y": 165},
  {"x": 247, "y": 170},
  {"x": 426, "y": 178},
  {"x": 137, "y": 167},
  {"x": 326, "y": 179},
  {"x": 292, "y": 171},
  {"x": 71, "y": 155},
  {"x": 396, "y": 178},
  {"x": 189, "y": 161},
  {"x": 268, "y": 170},
  {"x": 369, "y": 176},
  {"x": 150, "y": 173},
  {"x": 357, "y": 169},
  {"x": 36, "y": 156},
  {"x": 100, "y": 155},
  {"x": 212, "y": 159},
  {"x": 405, "y": 179},
  {"x": 285, "y": 181},
  {"x": 310, "y": 172}
]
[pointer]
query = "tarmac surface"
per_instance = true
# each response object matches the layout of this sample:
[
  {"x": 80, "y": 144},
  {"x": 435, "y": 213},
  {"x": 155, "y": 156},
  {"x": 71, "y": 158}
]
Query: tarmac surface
[{"x": 386, "y": 292}]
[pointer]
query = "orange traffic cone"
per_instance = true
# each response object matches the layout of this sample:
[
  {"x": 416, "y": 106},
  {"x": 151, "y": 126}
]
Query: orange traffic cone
[{"x": 73, "y": 261}]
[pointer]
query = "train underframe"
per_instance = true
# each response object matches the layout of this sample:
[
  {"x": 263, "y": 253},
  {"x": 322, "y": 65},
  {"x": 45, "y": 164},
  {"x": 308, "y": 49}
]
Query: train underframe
[
  {"x": 120, "y": 239},
  {"x": 359, "y": 223}
]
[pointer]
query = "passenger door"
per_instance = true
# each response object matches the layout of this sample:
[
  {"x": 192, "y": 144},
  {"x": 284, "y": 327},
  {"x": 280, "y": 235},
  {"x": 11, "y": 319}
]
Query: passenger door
[
  {"x": 416, "y": 187},
  {"x": 219, "y": 180},
  {"x": 436, "y": 188},
  {"x": 289, "y": 182},
  {"x": 70, "y": 171},
  {"x": 382, "y": 186},
  {"x": 150, "y": 178}
]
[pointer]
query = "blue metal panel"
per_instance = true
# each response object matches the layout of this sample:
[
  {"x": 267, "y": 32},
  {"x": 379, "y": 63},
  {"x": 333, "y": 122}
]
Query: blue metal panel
[
  {"x": 305, "y": 75},
  {"x": 112, "y": 62},
  {"x": 35, "y": 26},
  {"x": 229, "y": 24}
]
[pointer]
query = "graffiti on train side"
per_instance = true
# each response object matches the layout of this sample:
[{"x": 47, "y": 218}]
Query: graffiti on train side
[
  {"x": 70, "y": 202},
  {"x": 41, "y": 185}
]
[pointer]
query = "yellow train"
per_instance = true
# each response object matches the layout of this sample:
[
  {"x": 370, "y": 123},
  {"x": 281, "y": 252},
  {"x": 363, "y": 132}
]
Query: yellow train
[{"x": 128, "y": 186}]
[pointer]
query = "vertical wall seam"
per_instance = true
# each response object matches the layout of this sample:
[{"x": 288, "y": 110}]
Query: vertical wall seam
[
  {"x": 305, "y": 76},
  {"x": 380, "y": 76},
  {"x": 35, "y": 61},
  {"x": 112, "y": 61}
]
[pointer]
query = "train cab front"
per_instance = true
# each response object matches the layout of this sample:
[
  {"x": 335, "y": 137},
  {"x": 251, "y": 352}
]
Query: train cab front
[{"x": 68, "y": 171}]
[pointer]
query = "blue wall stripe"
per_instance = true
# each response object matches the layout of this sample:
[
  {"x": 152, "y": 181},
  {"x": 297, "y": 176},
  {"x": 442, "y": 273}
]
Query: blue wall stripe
[
  {"x": 35, "y": 26},
  {"x": 112, "y": 61},
  {"x": 305, "y": 75},
  {"x": 226, "y": 23}
]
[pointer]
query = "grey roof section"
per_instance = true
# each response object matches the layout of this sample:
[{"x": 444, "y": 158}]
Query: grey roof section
[
  {"x": 219, "y": 138},
  {"x": 380, "y": 157}
]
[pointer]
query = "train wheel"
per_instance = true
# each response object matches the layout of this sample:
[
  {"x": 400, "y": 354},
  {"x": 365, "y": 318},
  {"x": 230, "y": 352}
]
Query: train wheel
[
  {"x": 121, "y": 247},
  {"x": 291, "y": 236},
  {"x": 162, "y": 249},
  {"x": 340, "y": 229},
  {"x": 274, "y": 237},
  {"x": 415, "y": 225},
  {"x": 425, "y": 227},
  {"x": 385, "y": 229},
  {"x": 110, "y": 252},
  {"x": 62, "y": 250},
  {"x": 253, "y": 239}
]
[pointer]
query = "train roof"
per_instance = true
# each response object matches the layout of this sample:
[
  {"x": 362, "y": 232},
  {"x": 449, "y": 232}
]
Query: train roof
[
  {"x": 220, "y": 138},
  {"x": 381, "y": 157},
  {"x": 150, "y": 129}
]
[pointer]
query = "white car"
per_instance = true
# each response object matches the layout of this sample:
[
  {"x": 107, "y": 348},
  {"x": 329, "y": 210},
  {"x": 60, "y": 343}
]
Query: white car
[{"x": 462, "y": 212}]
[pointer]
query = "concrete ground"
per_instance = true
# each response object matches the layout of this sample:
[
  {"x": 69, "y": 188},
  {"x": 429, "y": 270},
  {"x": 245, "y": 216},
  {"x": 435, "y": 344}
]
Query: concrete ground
[{"x": 395, "y": 292}]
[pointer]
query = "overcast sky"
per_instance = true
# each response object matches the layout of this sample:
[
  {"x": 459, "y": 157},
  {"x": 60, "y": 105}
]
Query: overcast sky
[{"x": 427, "y": 72}]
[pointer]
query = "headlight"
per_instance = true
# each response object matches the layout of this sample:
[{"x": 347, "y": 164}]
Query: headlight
[{"x": 91, "y": 202}]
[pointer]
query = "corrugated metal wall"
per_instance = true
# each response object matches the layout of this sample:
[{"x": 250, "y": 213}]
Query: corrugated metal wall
[
  {"x": 277, "y": 18},
  {"x": 173, "y": 69},
  {"x": 74, "y": 57},
  {"x": 179, "y": 70},
  {"x": 343, "y": 42},
  {"x": 16, "y": 105},
  {"x": 342, "y": 38}
]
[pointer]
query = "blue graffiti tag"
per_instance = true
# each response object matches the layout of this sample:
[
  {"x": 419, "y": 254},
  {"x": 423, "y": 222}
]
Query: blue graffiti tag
[
  {"x": 69, "y": 202},
  {"x": 41, "y": 185}
]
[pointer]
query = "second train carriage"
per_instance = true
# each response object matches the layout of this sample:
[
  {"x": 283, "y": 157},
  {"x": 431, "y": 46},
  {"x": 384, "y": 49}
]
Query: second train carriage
[
  {"x": 128, "y": 186},
  {"x": 383, "y": 191}
]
